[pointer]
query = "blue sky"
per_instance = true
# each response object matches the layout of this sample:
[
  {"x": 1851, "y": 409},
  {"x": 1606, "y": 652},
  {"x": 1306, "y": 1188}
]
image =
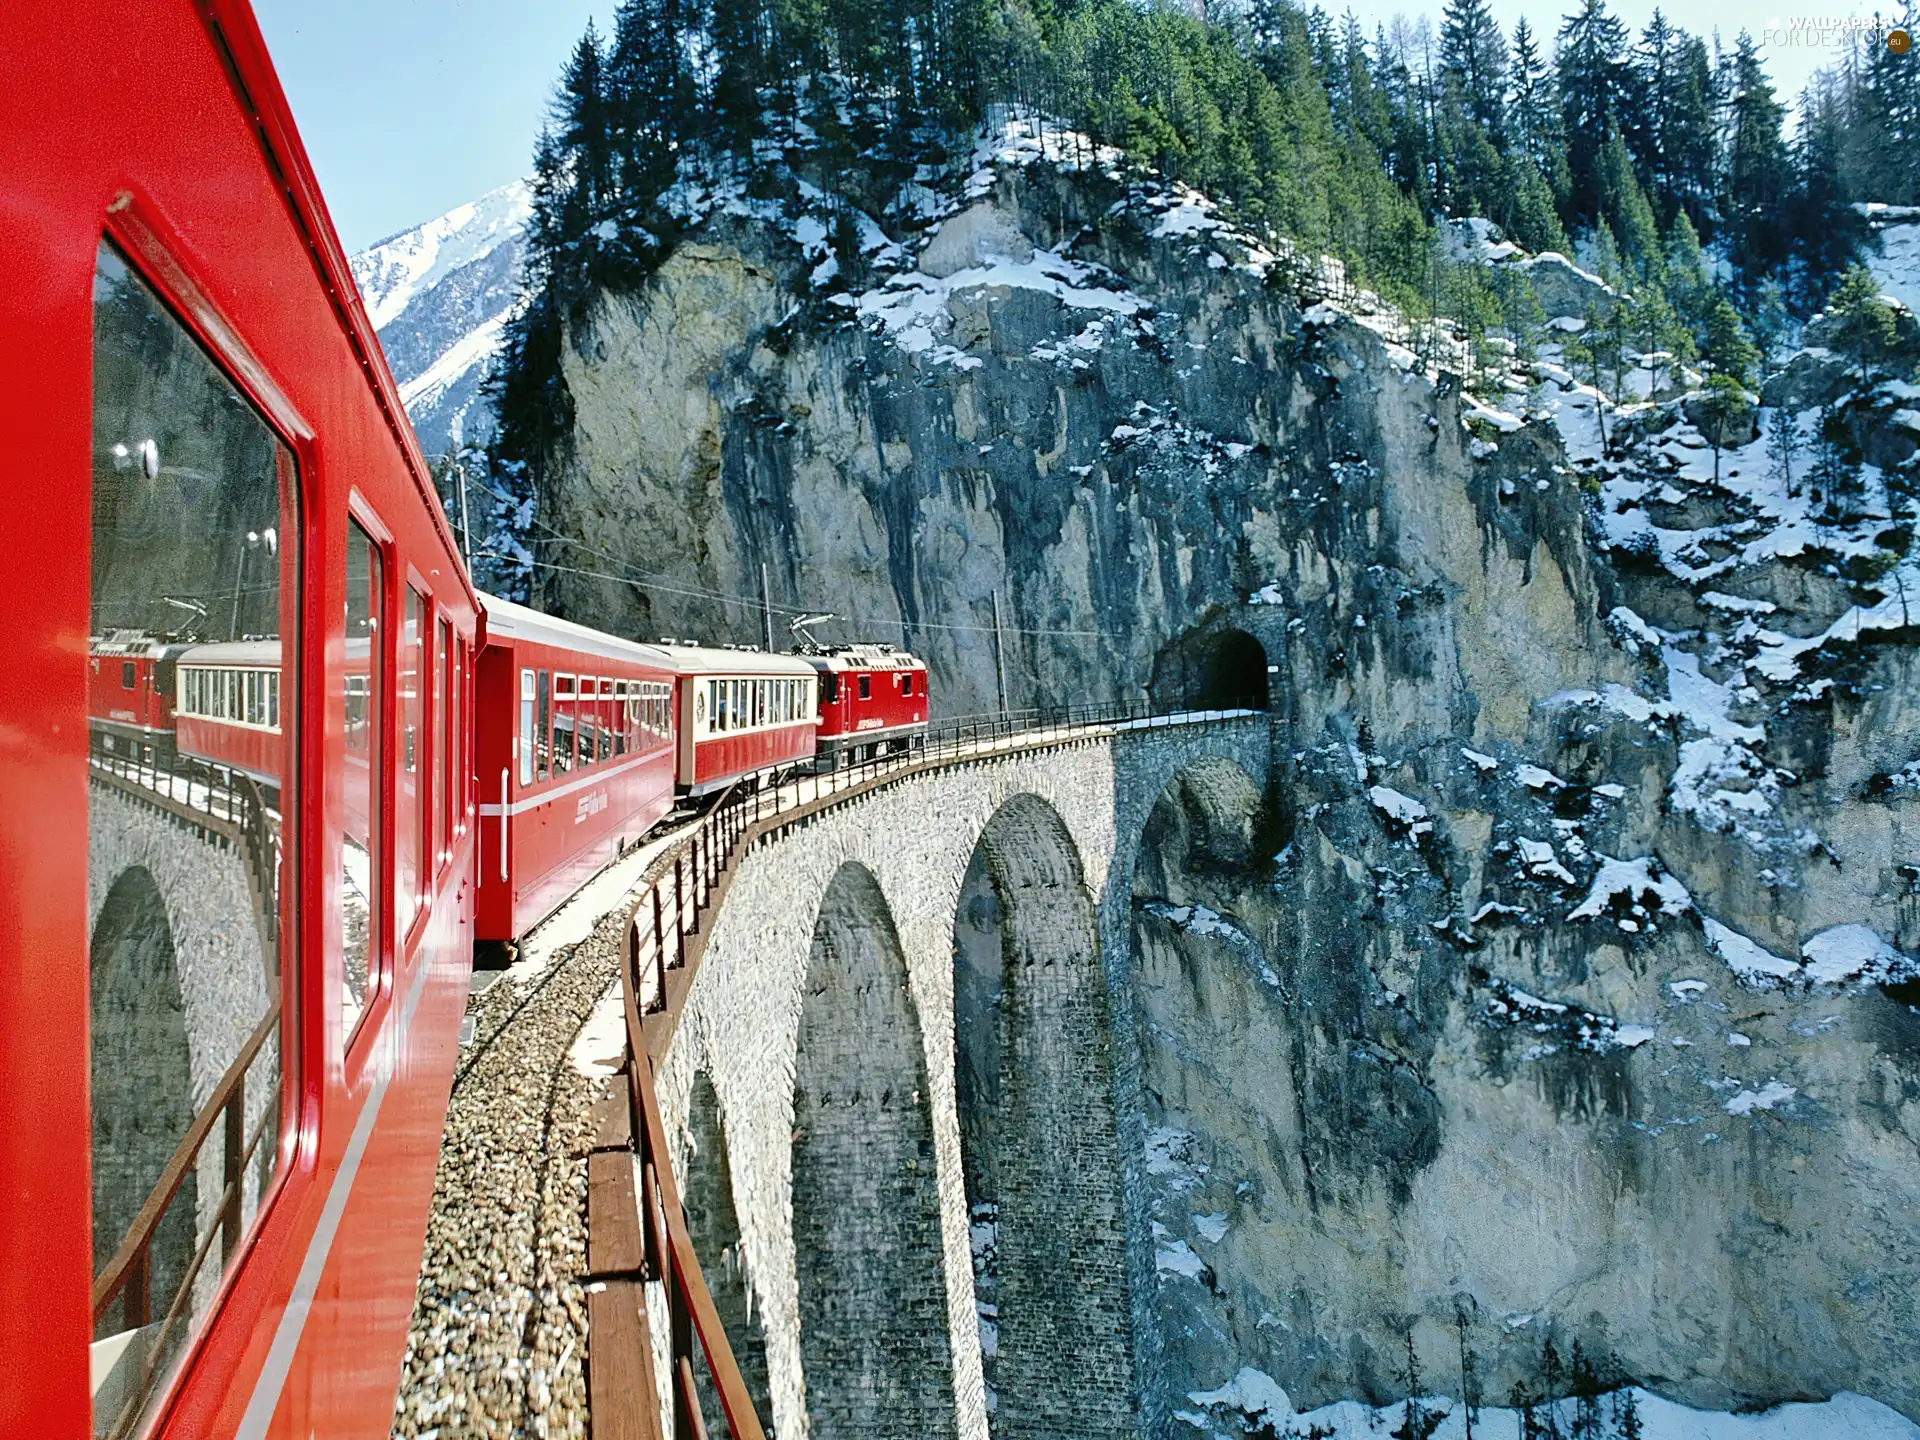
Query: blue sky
[{"x": 411, "y": 107}]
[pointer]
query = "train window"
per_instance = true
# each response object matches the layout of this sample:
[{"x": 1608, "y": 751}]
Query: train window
[
  {"x": 717, "y": 704},
  {"x": 829, "y": 687},
  {"x": 906, "y": 684},
  {"x": 443, "y": 741},
  {"x": 185, "y": 949},
  {"x": 866, "y": 690},
  {"x": 586, "y": 722},
  {"x": 126, "y": 675},
  {"x": 526, "y": 728},
  {"x": 542, "y": 727},
  {"x": 361, "y": 685},
  {"x": 415, "y": 676},
  {"x": 562, "y": 724}
]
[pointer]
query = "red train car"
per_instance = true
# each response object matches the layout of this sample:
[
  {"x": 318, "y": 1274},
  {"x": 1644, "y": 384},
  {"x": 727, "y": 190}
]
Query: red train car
[
  {"x": 130, "y": 690},
  {"x": 574, "y": 747},
  {"x": 227, "y": 708},
  {"x": 873, "y": 699},
  {"x": 226, "y": 1036},
  {"x": 738, "y": 714}
]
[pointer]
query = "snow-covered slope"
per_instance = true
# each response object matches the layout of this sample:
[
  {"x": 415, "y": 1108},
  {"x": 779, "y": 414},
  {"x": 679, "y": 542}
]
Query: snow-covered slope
[
  {"x": 1897, "y": 266},
  {"x": 439, "y": 295}
]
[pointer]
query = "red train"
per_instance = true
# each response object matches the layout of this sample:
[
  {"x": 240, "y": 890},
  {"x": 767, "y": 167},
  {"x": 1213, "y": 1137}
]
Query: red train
[
  {"x": 227, "y": 1031},
  {"x": 229, "y": 1028},
  {"x": 873, "y": 700},
  {"x": 130, "y": 691}
]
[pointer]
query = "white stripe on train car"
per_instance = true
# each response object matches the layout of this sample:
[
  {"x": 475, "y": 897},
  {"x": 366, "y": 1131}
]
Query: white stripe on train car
[{"x": 595, "y": 776}]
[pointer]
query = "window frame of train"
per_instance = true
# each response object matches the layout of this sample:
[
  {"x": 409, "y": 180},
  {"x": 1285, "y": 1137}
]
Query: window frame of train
[
  {"x": 523, "y": 740},
  {"x": 443, "y": 733},
  {"x": 168, "y": 399},
  {"x": 377, "y": 690}
]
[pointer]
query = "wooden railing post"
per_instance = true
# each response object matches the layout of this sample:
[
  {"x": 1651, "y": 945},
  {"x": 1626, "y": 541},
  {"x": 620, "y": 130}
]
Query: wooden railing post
[{"x": 235, "y": 1147}]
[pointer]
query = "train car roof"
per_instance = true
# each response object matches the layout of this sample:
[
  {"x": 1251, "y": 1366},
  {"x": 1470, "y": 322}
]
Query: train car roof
[
  {"x": 509, "y": 621},
  {"x": 708, "y": 660},
  {"x": 840, "y": 658},
  {"x": 263, "y": 653}
]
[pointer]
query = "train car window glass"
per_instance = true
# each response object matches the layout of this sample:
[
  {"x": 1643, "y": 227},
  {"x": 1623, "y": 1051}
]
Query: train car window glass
[
  {"x": 542, "y": 728},
  {"x": 126, "y": 675},
  {"x": 562, "y": 724},
  {"x": 410, "y": 822},
  {"x": 585, "y": 724},
  {"x": 189, "y": 488},
  {"x": 273, "y": 700},
  {"x": 526, "y": 729},
  {"x": 443, "y": 742},
  {"x": 362, "y": 683},
  {"x": 866, "y": 690}
]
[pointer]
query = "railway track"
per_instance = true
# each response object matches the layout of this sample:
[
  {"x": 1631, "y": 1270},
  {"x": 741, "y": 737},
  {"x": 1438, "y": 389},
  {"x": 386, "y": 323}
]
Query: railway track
[{"x": 497, "y": 1343}]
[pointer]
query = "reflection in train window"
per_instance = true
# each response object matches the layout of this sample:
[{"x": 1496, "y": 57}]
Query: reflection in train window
[
  {"x": 191, "y": 492},
  {"x": 361, "y": 687},
  {"x": 410, "y": 886},
  {"x": 543, "y": 749},
  {"x": 526, "y": 729},
  {"x": 442, "y": 743}
]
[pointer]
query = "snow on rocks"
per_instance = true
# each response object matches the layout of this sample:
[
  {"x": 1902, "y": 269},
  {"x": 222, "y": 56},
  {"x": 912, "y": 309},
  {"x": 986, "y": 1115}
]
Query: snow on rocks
[
  {"x": 1402, "y": 810},
  {"x": 1849, "y": 952},
  {"x": 1753, "y": 964},
  {"x": 1256, "y": 1395},
  {"x": 1633, "y": 892},
  {"x": 1769, "y": 1096},
  {"x": 1561, "y": 1026}
]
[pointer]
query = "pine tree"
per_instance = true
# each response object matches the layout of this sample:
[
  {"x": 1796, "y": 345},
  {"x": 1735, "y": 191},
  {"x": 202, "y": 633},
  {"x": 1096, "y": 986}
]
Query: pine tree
[
  {"x": 1594, "y": 84},
  {"x": 1864, "y": 326},
  {"x": 1631, "y": 1427},
  {"x": 1473, "y": 54},
  {"x": 1759, "y": 175},
  {"x": 1533, "y": 121},
  {"x": 1783, "y": 445}
]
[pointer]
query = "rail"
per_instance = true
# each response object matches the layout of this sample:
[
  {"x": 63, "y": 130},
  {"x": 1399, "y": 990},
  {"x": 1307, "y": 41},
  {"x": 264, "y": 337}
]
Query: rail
[
  {"x": 636, "y": 1233},
  {"x": 128, "y": 1274}
]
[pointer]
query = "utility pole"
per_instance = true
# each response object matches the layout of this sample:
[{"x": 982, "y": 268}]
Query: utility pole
[
  {"x": 466, "y": 528},
  {"x": 766, "y": 606},
  {"x": 999, "y": 653}
]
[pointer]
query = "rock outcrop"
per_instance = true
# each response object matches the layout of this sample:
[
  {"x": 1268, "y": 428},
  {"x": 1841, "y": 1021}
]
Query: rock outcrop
[{"x": 1558, "y": 984}]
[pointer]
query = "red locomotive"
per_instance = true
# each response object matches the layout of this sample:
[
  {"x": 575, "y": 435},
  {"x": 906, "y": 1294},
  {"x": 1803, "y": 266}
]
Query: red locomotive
[
  {"x": 873, "y": 700},
  {"x": 130, "y": 691},
  {"x": 227, "y": 1029}
]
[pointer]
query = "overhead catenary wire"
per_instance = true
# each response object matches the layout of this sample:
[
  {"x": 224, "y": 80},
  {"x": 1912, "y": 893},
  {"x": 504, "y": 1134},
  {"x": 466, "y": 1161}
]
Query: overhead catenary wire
[{"x": 752, "y": 603}]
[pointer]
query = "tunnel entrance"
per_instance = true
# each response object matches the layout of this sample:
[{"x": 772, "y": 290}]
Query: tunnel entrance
[
  {"x": 1039, "y": 1152},
  {"x": 713, "y": 1225},
  {"x": 1212, "y": 670},
  {"x": 874, "y": 1347},
  {"x": 141, "y": 1071}
]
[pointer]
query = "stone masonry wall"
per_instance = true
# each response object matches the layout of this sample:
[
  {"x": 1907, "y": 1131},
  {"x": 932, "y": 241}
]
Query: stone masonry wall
[
  {"x": 866, "y": 1214},
  {"x": 741, "y": 1025}
]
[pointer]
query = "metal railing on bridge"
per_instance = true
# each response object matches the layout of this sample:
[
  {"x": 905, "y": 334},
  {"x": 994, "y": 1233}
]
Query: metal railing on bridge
[{"x": 636, "y": 1233}]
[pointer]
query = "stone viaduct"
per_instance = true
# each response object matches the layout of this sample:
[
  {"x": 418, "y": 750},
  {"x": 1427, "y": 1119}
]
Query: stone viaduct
[
  {"x": 180, "y": 977},
  {"x": 904, "y": 1092}
]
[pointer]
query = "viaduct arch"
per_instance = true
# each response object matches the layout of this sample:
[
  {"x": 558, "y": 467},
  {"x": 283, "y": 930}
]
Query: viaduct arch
[{"x": 1051, "y": 836}]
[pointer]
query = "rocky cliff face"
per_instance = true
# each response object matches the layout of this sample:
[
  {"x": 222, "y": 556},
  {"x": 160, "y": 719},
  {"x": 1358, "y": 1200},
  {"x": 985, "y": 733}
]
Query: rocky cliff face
[{"x": 1558, "y": 986}]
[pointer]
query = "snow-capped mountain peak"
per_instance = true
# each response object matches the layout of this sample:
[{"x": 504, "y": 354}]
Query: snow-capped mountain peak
[{"x": 439, "y": 295}]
